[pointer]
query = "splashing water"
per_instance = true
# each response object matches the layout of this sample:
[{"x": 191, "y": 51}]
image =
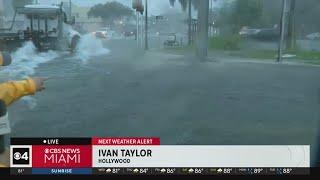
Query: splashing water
[
  {"x": 29, "y": 101},
  {"x": 25, "y": 60},
  {"x": 89, "y": 46}
]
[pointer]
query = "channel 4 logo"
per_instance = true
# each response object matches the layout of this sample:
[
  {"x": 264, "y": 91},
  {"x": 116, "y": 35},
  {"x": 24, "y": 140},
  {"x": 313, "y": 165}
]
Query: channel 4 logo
[{"x": 20, "y": 156}]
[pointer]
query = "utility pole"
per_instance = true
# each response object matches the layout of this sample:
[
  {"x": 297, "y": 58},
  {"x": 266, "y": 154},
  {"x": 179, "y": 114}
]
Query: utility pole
[
  {"x": 138, "y": 6},
  {"x": 141, "y": 31},
  {"x": 146, "y": 28},
  {"x": 137, "y": 30},
  {"x": 211, "y": 17},
  {"x": 70, "y": 8},
  {"x": 291, "y": 40},
  {"x": 282, "y": 30},
  {"x": 189, "y": 23},
  {"x": 202, "y": 35}
]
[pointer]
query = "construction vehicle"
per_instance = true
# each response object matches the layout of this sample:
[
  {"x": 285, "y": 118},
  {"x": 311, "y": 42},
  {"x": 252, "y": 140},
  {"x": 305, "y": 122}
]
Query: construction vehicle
[
  {"x": 171, "y": 41},
  {"x": 47, "y": 26}
]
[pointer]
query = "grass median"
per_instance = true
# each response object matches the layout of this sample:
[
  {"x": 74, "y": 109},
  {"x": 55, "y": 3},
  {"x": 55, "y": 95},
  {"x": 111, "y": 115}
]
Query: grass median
[
  {"x": 231, "y": 46},
  {"x": 312, "y": 57}
]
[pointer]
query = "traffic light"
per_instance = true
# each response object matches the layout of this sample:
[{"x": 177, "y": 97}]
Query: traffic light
[{"x": 138, "y": 6}]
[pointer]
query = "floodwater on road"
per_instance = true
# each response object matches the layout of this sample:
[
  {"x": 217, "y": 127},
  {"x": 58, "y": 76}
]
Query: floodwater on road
[{"x": 130, "y": 93}]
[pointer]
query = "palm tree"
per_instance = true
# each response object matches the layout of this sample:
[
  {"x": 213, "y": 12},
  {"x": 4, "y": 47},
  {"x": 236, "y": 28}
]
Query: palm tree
[
  {"x": 184, "y": 4},
  {"x": 172, "y": 2}
]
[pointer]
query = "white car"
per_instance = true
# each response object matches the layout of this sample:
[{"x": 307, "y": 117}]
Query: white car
[
  {"x": 105, "y": 33},
  {"x": 313, "y": 36},
  {"x": 102, "y": 33}
]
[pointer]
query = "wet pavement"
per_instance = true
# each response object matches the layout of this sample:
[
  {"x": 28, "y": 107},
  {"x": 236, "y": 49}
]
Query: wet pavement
[{"x": 131, "y": 93}]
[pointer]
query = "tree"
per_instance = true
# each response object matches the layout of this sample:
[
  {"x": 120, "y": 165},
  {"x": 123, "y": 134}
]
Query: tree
[
  {"x": 234, "y": 14},
  {"x": 202, "y": 32},
  {"x": 305, "y": 16},
  {"x": 184, "y": 4},
  {"x": 247, "y": 13},
  {"x": 203, "y": 12},
  {"x": 110, "y": 11},
  {"x": 271, "y": 12},
  {"x": 21, "y": 3},
  {"x": 195, "y": 4},
  {"x": 172, "y": 2}
]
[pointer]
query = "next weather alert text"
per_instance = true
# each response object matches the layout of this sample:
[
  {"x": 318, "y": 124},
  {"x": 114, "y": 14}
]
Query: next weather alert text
[{"x": 119, "y": 156}]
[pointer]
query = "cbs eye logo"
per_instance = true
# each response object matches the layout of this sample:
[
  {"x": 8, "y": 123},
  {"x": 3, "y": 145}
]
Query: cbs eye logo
[{"x": 20, "y": 156}]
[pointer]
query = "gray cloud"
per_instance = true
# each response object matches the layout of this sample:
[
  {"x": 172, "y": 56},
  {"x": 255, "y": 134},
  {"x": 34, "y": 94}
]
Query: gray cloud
[{"x": 156, "y": 7}]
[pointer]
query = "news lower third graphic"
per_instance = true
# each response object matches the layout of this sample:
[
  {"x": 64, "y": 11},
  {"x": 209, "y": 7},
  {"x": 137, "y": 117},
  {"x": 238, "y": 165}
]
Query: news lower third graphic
[{"x": 145, "y": 155}]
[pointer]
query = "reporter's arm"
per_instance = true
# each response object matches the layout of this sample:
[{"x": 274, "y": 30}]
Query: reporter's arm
[{"x": 13, "y": 90}]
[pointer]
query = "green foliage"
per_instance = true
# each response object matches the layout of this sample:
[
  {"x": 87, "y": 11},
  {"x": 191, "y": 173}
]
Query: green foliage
[
  {"x": 238, "y": 13},
  {"x": 110, "y": 11},
  {"x": 231, "y": 42},
  {"x": 247, "y": 13},
  {"x": 21, "y": 3}
]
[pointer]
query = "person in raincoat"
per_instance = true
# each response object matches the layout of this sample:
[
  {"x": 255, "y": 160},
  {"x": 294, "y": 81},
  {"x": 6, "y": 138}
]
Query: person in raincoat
[
  {"x": 10, "y": 92},
  {"x": 13, "y": 90}
]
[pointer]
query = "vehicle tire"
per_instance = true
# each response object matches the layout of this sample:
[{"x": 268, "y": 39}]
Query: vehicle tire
[{"x": 74, "y": 43}]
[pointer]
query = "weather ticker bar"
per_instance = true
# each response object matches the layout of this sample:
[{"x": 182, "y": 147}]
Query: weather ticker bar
[
  {"x": 147, "y": 156},
  {"x": 161, "y": 171}
]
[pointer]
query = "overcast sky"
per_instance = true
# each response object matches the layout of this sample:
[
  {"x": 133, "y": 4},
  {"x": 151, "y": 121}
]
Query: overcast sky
[{"x": 156, "y": 7}]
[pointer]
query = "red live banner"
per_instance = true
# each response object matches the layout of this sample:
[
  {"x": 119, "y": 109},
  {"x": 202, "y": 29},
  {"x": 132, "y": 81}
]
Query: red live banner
[{"x": 62, "y": 156}]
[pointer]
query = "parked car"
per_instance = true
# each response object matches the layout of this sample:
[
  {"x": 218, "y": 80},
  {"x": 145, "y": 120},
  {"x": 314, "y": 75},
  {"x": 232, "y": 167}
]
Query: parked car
[
  {"x": 264, "y": 34},
  {"x": 100, "y": 34},
  {"x": 129, "y": 33},
  {"x": 246, "y": 32},
  {"x": 313, "y": 36}
]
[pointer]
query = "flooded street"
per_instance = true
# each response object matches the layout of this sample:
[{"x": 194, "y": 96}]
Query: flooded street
[
  {"x": 224, "y": 87},
  {"x": 130, "y": 93}
]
